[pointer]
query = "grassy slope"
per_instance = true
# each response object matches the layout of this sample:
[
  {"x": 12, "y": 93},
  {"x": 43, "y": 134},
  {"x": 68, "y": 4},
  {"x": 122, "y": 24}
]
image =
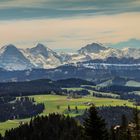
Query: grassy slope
[
  {"x": 51, "y": 102},
  {"x": 133, "y": 83},
  {"x": 78, "y": 89},
  {"x": 92, "y": 91}
]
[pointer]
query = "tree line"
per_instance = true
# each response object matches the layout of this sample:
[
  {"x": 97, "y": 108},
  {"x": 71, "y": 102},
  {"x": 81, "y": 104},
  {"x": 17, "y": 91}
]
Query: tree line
[
  {"x": 60, "y": 127},
  {"x": 19, "y": 108}
]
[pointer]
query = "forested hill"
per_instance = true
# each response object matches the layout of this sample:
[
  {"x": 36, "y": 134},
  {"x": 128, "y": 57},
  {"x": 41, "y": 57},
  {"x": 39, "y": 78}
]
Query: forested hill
[
  {"x": 42, "y": 86},
  {"x": 73, "y": 82}
]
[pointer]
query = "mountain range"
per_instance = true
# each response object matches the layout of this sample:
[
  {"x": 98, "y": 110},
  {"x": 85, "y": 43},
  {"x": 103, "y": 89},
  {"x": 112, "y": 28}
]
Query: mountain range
[{"x": 42, "y": 57}]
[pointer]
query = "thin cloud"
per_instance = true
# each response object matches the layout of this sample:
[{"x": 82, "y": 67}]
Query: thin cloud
[
  {"x": 22, "y": 9},
  {"x": 71, "y": 33}
]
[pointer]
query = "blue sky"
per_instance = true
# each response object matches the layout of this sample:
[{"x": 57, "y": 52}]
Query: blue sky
[{"x": 69, "y": 24}]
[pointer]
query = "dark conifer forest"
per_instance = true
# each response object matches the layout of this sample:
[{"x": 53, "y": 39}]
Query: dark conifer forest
[
  {"x": 60, "y": 127},
  {"x": 18, "y": 108}
]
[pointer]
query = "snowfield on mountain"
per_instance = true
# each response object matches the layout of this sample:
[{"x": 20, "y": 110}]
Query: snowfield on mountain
[{"x": 13, "y": 58}]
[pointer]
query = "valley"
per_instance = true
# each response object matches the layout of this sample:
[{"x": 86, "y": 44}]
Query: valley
[
  {"x": 52, "y": 101},
  {"x": 40, "y": 81},
  {"x": 69, "y": 96},
  {"x": 69, "y": 70}
]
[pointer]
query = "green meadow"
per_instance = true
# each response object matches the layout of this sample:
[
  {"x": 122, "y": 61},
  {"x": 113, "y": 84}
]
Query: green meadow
[
  {"x": 133, "y": 83},
  {"x": 59, "y": 104}
]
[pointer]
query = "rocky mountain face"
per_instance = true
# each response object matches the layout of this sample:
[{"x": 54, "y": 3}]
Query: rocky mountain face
[
  {"x": 92, "y": 48},
  {"x": 91, "y": 56},
  {"x": 42, "y": 57},
  {"x": 12, "y": 59},
  {"x": 98, "y": 51}
]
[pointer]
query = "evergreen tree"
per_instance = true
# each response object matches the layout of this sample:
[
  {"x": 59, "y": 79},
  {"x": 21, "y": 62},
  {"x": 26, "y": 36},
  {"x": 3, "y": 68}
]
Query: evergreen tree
[
  {"x": 51, "y": 127},
  {"x": 124, "y": 122},
  {"x": 95, "y": 127},
  {"x": 123, "y": 130},
  {"x": 136, "y": 121},
  {"x": 0, "y": 137},
  {"x": 76, "y": 109},
  {"x": 58, "y": 107},
  {"x": 112, "y": 134},
  {"x": 69, "y": 108},
  {"x": 129, "y": 137}
]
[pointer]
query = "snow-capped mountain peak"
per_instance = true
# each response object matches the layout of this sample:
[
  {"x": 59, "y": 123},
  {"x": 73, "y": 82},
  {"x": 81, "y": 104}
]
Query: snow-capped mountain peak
[
  {"x": 10, "y": 51},
  {"x": 92, "y": 48},
  {"x": 12, "y": 59},
  {"x": 131, "y": 52},
  {"x": 40, "y": 49},
  {"x": 8, "y": 48},
  {"x": 40, "y": 56}
]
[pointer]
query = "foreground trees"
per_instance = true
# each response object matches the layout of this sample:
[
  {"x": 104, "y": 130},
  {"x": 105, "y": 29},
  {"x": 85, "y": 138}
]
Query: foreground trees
[
  {"x": 94, "y": 125},
  {"x": 52, "y": 127},
  {"x": 60, "y": 127},
  {"x": 128, "y": 131}
]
